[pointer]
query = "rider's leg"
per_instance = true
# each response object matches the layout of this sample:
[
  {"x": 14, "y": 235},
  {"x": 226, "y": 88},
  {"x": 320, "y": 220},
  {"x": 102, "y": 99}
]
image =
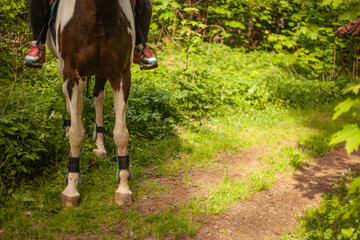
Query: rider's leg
[
  {"x": 143, "y": 54},
  {"x": 39, "y": 17}
]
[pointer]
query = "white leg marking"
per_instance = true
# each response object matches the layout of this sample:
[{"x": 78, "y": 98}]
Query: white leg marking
[
  {"x": 124, "y": 184},
  {"x": 121, "y": 137},
  {"x": 76, "y": 131},
  {"x": 71, "y": 188},
  {"x": 67, "y": 106}
]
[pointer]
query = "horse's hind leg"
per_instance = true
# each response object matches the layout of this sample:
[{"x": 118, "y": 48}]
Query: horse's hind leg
[
  {"x": 73, "y": 88},
  {"x": 121, "y": 88},
  {"x": 99, "y": 131}
]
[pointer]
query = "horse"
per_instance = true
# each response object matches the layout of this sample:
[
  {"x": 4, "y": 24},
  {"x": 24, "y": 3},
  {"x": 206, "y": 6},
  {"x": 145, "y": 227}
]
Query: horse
[
  {"x": 94, "y": 38},
  {"x": 350, "y": 29}
]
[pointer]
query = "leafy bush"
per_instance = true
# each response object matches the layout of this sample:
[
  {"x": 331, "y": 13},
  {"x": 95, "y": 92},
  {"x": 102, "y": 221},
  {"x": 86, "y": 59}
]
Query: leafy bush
[
  {"x": 32, "y": 139},
  {"x": 304, "y": 28},
  {"x": 219, "y": 76},
  {"x": 150, "y": 113}
]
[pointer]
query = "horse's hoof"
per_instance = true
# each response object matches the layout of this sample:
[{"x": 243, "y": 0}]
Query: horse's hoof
[
  {"x": 101, "y": 154},
  {"x": 70, "y": 201},
  {"x": 123, "y": 199}
]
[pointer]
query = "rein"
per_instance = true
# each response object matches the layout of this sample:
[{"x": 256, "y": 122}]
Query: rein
[{"x": 350, "y": 31}]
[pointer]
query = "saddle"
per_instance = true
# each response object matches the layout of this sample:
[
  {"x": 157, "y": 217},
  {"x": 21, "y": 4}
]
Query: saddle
[
  {"x": 54, "y": 4},
  {"x": 133, "y": 1}
]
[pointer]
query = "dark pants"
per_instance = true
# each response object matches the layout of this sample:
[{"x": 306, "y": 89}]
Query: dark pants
[
  {"x": 143, "y": 14},
  {"x": 40, "y": 14},
  {"x": 39, "y": 17}
]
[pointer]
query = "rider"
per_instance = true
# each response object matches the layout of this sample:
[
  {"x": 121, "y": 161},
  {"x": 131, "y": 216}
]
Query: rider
[{"x": 39, "y": 17}]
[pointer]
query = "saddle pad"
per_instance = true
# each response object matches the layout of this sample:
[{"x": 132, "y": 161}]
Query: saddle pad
[{"x": 54, "y": 4}]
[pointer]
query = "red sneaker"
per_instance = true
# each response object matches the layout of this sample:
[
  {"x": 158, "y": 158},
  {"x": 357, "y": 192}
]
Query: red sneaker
[
  {"x": 35, "y": 56},
  {"x": 145, "y": 58}
]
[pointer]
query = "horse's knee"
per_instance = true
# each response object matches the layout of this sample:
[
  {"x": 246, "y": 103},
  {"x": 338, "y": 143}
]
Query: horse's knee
[
  {"x": 76, "y": 135},
  {"x": 121, "y": 139}
]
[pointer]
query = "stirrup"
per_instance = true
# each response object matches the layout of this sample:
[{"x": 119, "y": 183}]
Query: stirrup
[{"x": 143, "y": 67}]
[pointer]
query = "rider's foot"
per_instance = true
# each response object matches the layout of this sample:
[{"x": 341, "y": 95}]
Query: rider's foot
[
  {"x": 145, "y": 57},
  {"x": 35, "y": 56}
]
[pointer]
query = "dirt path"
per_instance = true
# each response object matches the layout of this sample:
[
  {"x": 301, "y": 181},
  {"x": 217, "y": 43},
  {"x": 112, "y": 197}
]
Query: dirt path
[
  {"x": 267, "y": 214},
  {"x": 176, "y": 191},
  {"x": 275, "y": 211}
]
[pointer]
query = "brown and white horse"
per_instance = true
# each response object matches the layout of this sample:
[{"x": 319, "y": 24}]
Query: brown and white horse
[
  {"x": 349, "y": 30},
  {"x": 94, "y": 38}
]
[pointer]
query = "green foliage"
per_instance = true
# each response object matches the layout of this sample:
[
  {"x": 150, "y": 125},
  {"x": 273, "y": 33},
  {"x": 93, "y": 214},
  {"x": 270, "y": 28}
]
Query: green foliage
[
  {"x": 14, "y": 38},
  {"x": 305, "y": 28},
  {"x": 31, "y": 136},
  {"x": 350, "y": 134},
  {"x": 150, "y": 113},
  {"x": 351, "y": 12}
]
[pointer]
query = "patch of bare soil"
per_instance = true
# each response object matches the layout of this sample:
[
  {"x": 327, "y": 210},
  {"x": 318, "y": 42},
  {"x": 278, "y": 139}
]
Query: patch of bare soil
[
  {"x": 275, "y": 211},
  {"x": 178, "y": 191}
]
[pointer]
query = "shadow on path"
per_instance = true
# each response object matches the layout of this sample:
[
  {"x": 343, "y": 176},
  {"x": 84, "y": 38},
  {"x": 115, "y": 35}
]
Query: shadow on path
[{"x": 275, "y": 211}]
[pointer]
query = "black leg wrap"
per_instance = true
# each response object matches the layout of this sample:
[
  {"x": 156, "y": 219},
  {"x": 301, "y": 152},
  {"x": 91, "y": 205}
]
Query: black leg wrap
[
  {"x": 97, "y": 130},
  {"x": 123, "y": 164},
  {"x": 73, "y": 167}
]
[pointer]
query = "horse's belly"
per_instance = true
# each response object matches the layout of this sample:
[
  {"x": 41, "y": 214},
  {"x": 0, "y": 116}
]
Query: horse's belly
[{"x": 103, "y": 59}]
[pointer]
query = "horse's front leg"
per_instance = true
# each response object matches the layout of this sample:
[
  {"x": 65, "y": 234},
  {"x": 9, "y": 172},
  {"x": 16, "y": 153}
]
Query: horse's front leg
[
  {"x": 73, "y": 88},
  {"x": 121, "y": 88},
  {"x": 99, "y": 131}
]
